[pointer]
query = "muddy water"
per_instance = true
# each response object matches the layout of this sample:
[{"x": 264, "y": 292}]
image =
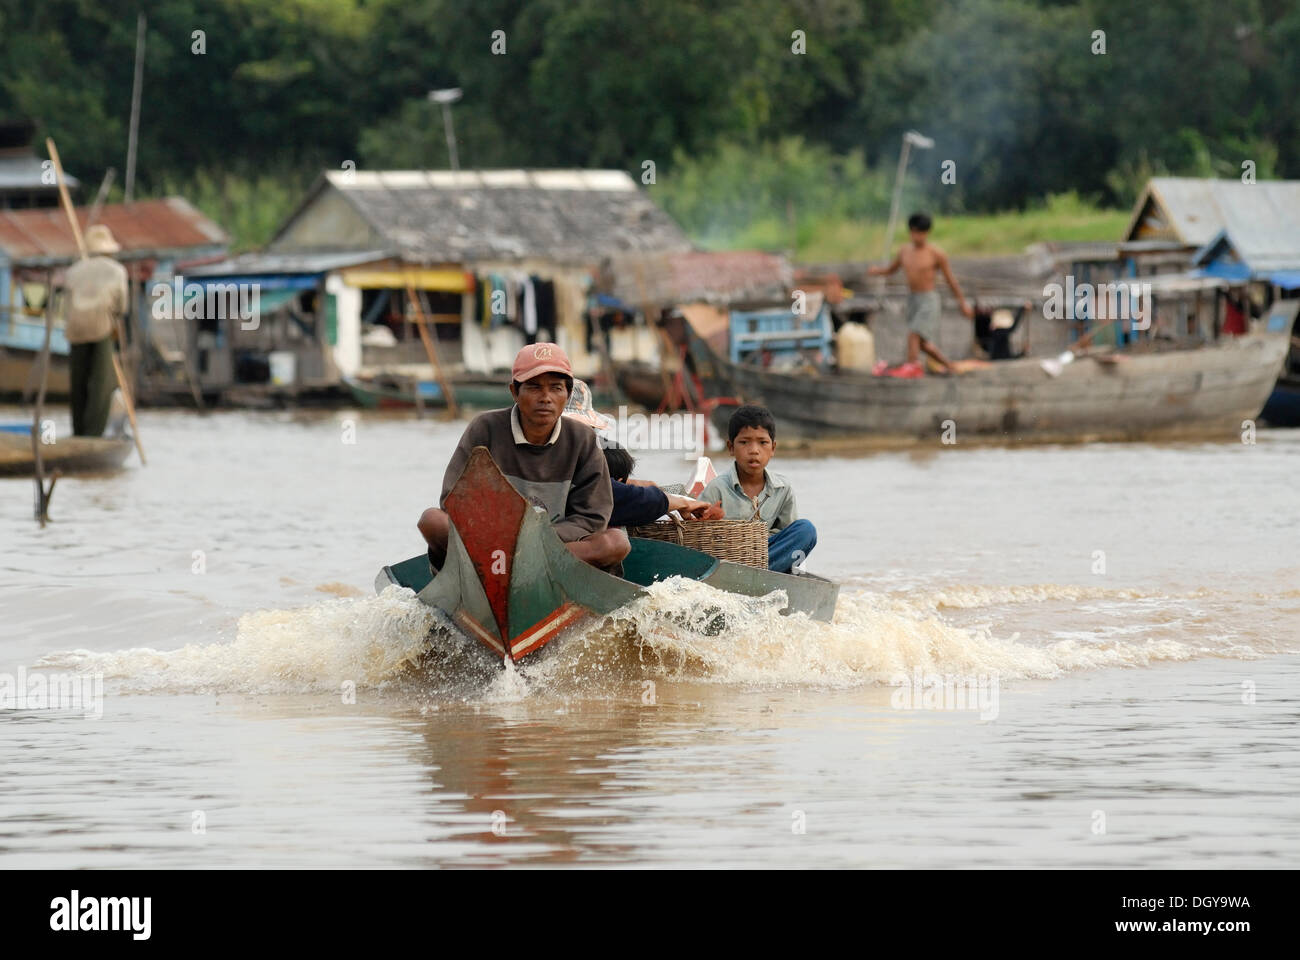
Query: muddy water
[{"x": 1125, "y": 620}]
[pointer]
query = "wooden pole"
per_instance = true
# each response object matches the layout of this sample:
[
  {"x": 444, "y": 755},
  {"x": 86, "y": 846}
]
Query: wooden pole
[
  {"x": 65, "y": 199},
  {"x": 98, "y": 205},
  {"x": 43, "y": 494},
  {"x": 134, "y": 135},
  {"x": 81, "y": 246},
  {"x": 431, "y": 349}
]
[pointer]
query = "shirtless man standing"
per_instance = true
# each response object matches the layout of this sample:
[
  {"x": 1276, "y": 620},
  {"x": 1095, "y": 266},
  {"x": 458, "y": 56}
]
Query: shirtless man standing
[{"x": 919, "y": 260}]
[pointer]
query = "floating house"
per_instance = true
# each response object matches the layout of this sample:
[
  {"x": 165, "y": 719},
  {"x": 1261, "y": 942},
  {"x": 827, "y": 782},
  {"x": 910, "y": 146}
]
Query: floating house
[
  {"x": 1209, "y": 249},
  {"x": 157, "y": 237},
  {"x": 25, "y": 182},
  {"x": 498, "y": 258}
]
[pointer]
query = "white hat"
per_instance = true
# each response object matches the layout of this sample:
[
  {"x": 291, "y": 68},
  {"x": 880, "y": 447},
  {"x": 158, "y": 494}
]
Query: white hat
[
  {"x": 581, "y": 408},
  {"x": 100, "y": 240},
  {"x": 1002, "y": 319}
]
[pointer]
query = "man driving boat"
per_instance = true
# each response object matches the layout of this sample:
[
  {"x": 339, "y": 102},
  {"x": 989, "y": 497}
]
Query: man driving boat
[{"x": 552, "y": 461}]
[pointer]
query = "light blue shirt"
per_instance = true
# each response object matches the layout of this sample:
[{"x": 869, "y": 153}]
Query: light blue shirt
[{"x": 776, "y": 506}]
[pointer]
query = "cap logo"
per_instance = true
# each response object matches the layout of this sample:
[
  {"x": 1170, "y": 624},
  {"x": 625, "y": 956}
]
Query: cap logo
[{"x": 541, "y": 353}]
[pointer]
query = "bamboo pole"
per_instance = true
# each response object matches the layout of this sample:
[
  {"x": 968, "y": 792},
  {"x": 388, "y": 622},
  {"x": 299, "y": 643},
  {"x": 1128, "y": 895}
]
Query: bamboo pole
[
  {"x": 98, "y": 205},
  {"x": 64, "y": 198},
  {"x": 81, "y": 247},
  {"x": 43, "y": 494},
  {"x": 133, "y": 133}
]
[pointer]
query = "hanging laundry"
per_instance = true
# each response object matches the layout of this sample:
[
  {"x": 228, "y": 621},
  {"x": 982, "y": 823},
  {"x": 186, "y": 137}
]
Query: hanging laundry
[
  {"x": 545, "y": 304},
  {"x": 530, "y": 306}
]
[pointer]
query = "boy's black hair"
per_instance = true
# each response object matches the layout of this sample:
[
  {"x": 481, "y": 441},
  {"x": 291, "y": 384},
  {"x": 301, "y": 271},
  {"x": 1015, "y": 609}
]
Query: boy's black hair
[
  {"x": 619, "y": 461},
  {"x": 919, "y": 221},
  {"x": 751, "y": 415}
]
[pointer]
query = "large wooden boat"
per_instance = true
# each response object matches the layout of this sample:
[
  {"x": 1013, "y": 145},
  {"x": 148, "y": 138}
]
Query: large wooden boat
[
  {"x": 1199, "y": 392},
  {"x": 510, "y": 583},
  {"x": 1283, "y": 407}
]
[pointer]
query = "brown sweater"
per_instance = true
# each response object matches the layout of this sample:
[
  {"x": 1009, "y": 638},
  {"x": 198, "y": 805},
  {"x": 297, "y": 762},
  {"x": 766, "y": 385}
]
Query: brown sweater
[{"x": 569, "y": 477}]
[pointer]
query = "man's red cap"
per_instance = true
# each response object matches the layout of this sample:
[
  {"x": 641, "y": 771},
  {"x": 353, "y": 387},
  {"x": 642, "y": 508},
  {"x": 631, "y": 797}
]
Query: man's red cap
[{"x": 539, "y": 358}]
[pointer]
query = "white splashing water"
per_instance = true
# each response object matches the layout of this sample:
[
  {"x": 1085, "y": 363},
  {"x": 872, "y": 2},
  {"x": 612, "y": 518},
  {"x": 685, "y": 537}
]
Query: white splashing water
[
  {"x": 678, "y": 629},
  {"x": 307, "y": 650}
]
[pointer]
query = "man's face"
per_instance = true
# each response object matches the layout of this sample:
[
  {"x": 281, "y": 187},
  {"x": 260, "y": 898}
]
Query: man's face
[
  {"x": 918, "y": 237},
  {"x": 541, "y": 400},
  {"x": 752, "y": 448}
]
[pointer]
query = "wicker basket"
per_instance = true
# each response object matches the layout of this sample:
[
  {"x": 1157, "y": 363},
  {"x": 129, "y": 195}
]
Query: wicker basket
[{"x": 740, "y": 541}]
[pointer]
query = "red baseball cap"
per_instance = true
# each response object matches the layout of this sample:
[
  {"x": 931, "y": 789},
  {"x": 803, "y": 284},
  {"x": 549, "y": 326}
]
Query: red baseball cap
[{"x": 539, "y": 358}]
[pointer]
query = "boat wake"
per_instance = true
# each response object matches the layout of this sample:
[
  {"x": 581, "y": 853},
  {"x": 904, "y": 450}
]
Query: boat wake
[{"x": 392, "y": 645}]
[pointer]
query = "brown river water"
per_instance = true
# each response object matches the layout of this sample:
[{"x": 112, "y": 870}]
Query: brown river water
[{"x": 1124, "y": 618}]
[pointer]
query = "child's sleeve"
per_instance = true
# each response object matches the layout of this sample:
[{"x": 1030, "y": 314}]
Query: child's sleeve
[{"x": 789, "y": 511}]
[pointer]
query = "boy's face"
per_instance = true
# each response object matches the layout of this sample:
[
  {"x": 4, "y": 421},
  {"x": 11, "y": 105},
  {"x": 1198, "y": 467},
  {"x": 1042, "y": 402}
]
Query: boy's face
[
  {"x": 918, "y": 237},
  {"x": 753, "y": 449}
]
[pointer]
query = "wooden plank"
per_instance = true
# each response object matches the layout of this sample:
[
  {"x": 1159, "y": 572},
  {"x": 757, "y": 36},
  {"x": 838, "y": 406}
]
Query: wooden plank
[{"x": 431, "y": 349}]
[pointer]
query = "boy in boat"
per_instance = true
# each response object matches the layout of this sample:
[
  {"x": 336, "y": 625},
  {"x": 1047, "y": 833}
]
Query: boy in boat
[
  {"x": 748, "y": 488},
  {"x": 919, "y": 260},
  {"x": 552, "y": 461}
]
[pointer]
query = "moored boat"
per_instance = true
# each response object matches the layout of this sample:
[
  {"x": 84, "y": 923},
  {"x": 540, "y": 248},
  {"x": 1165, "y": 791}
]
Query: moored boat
[
  {"x": 1199, "y": 392},
  {"x": 390, "y": 392},
  {"x": 67, "y": 454},
  {"x": 1283, "y": 407},
  {"x": 510, "y": 583}
]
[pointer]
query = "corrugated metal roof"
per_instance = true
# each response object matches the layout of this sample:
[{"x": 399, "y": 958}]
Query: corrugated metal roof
[
  {"x": 565, "y": 216},
  {"x": 1263, "y": 218},
  {"x": 22, "y": 171},
  {"x": 1178, "y": 282},
  {"x": 249, "y": 264},
  {"x": 723, "y": 277},
  {"x": 145, "y": 229}
]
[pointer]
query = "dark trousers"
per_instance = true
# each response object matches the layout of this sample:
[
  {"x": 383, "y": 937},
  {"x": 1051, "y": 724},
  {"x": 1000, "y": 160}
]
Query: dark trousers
[{"x": 90, "y": 369}]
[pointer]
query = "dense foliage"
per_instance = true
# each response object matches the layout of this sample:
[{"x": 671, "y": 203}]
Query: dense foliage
[{"x": 739, "y": 126}]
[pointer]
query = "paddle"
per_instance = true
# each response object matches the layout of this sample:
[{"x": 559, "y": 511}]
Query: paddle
[
  {"x": 66, "y": 201},
  {"x": 1054, "y": 365}
]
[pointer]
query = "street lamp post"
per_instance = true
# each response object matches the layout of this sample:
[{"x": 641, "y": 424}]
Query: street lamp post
[
  {"x": 447, "y": 98},
  {"x": 910, "y": 139}
]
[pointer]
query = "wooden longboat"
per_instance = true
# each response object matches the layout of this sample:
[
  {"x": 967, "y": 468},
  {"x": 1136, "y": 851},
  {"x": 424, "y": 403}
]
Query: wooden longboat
[
  {"x": 67, "y": 454},
  {"x": 388, "y": 393},
  {"x": 1283, "y": 407},
  {"x": 510, "y": 583},
  {"x": 1194, "y": 393},
  {"x": 641, "y": 384}
]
